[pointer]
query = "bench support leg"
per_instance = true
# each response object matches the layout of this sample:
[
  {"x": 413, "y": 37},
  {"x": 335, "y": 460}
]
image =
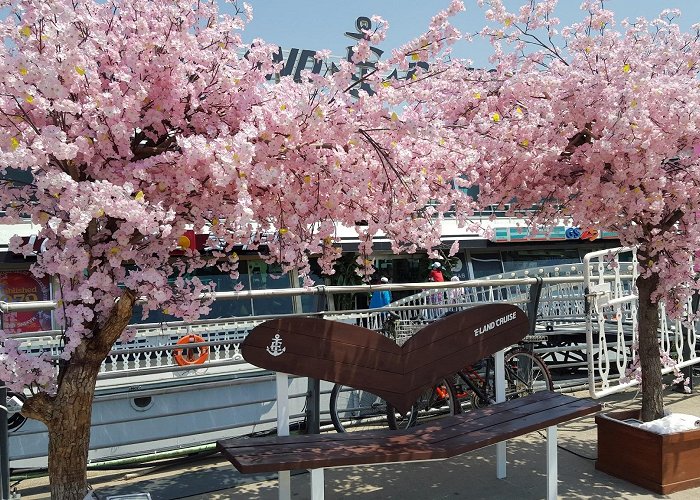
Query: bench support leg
[
  {"x": 285, "y": 485},
  {"x": 282, "y": 385},
  {"x": 552, "y": 462},
  {"x": 500, "y": 382},
  {"x": 501, "y": 460},
  {"x": 317, "y": 484}
]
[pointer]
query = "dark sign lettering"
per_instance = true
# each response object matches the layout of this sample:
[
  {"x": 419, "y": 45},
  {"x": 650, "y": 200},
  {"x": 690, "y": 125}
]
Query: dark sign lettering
[{"x": 295, "y": 61}]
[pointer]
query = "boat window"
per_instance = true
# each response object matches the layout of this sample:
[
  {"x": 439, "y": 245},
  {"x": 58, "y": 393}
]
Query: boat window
[
  {"x": 262, "y": 276},
  {"x": 403, "y": 269},
  {"x": 486, "y": 264},
  {"x": 253, "y": 275},
  {"x": 15, "y": 177},
  {"x": 142, "y": 404},
  {"x": 526, "y": 259}
]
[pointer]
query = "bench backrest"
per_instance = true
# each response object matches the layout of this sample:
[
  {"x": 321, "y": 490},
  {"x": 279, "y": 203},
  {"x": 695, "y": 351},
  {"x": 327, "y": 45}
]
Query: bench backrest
[{"x": 364, "y": 359}]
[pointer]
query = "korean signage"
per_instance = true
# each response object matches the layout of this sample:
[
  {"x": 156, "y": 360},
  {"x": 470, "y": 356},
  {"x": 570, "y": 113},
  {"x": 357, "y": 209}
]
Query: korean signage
[
  {"x": 515, "y": 234},
  {"x": 297, "y": 60}
]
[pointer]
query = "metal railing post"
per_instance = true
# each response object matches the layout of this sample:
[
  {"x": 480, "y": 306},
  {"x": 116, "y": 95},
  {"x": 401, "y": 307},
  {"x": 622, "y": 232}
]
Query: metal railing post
[
  {"x": 534, "y": 303},
  {"x": 4, "y": 447},
  {"x": 313, "y": 407},
  {"x": 688, "y": 370}
]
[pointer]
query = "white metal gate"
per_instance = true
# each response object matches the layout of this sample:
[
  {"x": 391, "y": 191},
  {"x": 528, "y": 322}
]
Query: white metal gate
[{"x": 611, "y": 323}]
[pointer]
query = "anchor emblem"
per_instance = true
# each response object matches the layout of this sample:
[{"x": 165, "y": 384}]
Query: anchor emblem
[{"x": 275, "y": 348}]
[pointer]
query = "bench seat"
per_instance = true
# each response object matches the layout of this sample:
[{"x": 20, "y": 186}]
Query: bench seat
[
  {"x": 356, "y": 357},
  {"x": 443, "y": 438}
]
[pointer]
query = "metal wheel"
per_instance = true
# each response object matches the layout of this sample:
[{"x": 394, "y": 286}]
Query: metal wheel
[
  {"x": 355, "y": 409},
  {"x": 438, "y": 401},
  {"x": 526, "y": 373}
]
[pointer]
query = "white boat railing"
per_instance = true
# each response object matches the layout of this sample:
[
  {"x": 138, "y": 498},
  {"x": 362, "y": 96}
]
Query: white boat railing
[
  {"x": 560, "y": 300},
  {"x": 152, "y": 346},
  {"x": 570, "y": 297},
  {"x": 611, "y": 326}
]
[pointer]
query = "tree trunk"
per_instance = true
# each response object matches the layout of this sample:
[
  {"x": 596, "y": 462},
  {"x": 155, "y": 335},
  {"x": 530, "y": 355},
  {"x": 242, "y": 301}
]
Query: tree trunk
[
  {"x": 649, "y": 354},
  {"x": 68, "y": 413},
  {"x": 69, "y": 433}
]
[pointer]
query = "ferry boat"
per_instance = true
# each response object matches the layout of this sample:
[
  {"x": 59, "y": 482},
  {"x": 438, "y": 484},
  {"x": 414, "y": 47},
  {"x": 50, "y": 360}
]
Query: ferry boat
[{"x": 147, "y": 401}]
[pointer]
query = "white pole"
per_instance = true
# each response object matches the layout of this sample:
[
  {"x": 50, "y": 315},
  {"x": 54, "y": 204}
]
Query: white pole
[
  {"x": 552, "y": 462},
  {"x": 500, "y": 381},
  {"x": 285, "y": 482},
  {"x": 317, "y": 486}
]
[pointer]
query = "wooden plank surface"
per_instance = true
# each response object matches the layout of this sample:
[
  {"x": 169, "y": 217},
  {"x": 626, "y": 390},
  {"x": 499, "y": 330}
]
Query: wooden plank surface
[
  {"x": 363, "y": 359},
  {"x": 412, "y": 432},
  {"x": 442, "y": 438}
]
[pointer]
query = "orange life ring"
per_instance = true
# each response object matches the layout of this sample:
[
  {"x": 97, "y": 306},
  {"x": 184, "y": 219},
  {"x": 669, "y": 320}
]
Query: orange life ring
[{"x": 184, "y": 357}]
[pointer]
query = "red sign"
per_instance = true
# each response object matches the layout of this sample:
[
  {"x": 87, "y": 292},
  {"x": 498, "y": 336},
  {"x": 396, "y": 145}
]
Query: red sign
[{"x": 23, "y": 286}]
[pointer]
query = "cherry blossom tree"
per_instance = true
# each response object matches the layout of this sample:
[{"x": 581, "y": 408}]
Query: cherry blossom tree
[
  {"x": 141, "y": 120},
  {"x": 598, "y": 123}
]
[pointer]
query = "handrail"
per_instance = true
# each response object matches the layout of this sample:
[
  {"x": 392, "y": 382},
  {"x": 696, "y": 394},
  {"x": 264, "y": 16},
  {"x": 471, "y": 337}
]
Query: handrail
[{"x": 45, "y": 305}]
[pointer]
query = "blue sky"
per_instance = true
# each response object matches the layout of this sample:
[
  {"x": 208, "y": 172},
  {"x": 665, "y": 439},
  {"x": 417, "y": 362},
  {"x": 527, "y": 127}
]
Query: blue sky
[{"x": 313, "y": 24}]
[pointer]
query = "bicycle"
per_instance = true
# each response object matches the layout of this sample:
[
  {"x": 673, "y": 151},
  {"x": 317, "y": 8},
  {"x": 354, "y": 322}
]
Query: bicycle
[
  {"x": 357, "y": 409},
  {"x": 474, "y": 387},
  {"x": 525, "y": 373}
]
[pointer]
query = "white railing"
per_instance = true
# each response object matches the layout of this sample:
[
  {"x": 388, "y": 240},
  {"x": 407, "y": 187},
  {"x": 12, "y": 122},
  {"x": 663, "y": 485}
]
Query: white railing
[
  {"x": 611, "y": 326},
  {"x": 597, "y": 293},
  {"x": 562, "y": 299},
  {"x": 152, "y": 347}
]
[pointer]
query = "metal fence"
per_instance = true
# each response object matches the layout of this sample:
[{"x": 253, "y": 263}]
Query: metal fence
[
  {"x": 611, "y": 324},
  {"x": 585, "y": 319}
]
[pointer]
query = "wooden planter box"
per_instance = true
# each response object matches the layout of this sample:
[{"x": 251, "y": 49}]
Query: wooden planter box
[{"x": 663, "y": 463}]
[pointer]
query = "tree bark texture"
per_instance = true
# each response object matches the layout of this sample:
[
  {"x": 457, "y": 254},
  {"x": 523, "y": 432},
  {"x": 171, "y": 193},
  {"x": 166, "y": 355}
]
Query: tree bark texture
[
  {"x": 649, "y": 354},
  {"x": 69, "y": 433},
  {"x": 68, "y": 413}
]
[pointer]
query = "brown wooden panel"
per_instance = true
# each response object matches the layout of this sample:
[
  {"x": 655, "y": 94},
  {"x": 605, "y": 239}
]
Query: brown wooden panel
[
  {"x": 327, "y": 350},
  {"x": 488, "y": 433},
  {"x": 401, "y": 435},
  {"x": 364, "y": 359},
  {"x": 663, "y": 463},
  {"x": 443, "y": 438}
]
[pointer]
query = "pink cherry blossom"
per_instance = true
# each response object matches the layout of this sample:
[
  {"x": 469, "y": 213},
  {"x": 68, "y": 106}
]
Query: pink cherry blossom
[
  {"x": 142, "y": 122},
  {"x": 596, "y": 123}
]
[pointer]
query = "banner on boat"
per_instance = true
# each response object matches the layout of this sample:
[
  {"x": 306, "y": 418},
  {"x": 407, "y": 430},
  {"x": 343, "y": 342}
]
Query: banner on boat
[{"x": 23, "y": 286}]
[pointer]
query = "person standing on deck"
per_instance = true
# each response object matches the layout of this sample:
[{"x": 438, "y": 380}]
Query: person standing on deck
[
  {"x": 380, "y": 298},
  {"x": 436, "y": 272},
  {"x": 456, "y": 295},
  {"x": 437, "y": 296}
]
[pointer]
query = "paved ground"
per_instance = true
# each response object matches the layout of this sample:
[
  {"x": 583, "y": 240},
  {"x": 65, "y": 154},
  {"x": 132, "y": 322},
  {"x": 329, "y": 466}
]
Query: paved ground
[{"x": 470, "y": 476}]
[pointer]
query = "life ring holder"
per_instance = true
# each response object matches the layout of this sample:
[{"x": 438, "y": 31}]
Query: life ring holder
[{"x": 185, "y": 357}]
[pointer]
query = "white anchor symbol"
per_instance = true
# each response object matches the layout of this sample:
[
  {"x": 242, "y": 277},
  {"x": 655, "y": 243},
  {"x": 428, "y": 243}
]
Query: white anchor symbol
[{"x": 275, "y": 348}]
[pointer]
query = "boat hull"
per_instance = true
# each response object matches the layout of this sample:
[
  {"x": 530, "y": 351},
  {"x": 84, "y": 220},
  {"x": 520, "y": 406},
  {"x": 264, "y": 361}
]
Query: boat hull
[{"x": 165, "y": 412}]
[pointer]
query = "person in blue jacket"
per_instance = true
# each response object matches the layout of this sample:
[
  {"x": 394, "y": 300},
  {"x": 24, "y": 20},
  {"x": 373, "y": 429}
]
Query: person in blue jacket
[{"x": 380, "y": 298}]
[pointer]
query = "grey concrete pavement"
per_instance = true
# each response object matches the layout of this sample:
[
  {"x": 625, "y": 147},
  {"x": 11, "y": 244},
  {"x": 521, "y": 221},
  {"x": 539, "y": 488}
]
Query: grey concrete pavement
[{"x": 469, "y": 476}]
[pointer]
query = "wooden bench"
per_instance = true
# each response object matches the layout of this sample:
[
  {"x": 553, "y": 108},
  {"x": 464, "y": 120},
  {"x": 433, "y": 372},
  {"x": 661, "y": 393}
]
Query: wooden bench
[
  {"x": 439, "y": 439},
  {"x": 443, "y": 438}
]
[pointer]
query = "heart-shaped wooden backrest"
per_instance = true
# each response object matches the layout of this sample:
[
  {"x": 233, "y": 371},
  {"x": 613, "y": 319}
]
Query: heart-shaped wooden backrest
[{"x": 364, "y": 359}]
